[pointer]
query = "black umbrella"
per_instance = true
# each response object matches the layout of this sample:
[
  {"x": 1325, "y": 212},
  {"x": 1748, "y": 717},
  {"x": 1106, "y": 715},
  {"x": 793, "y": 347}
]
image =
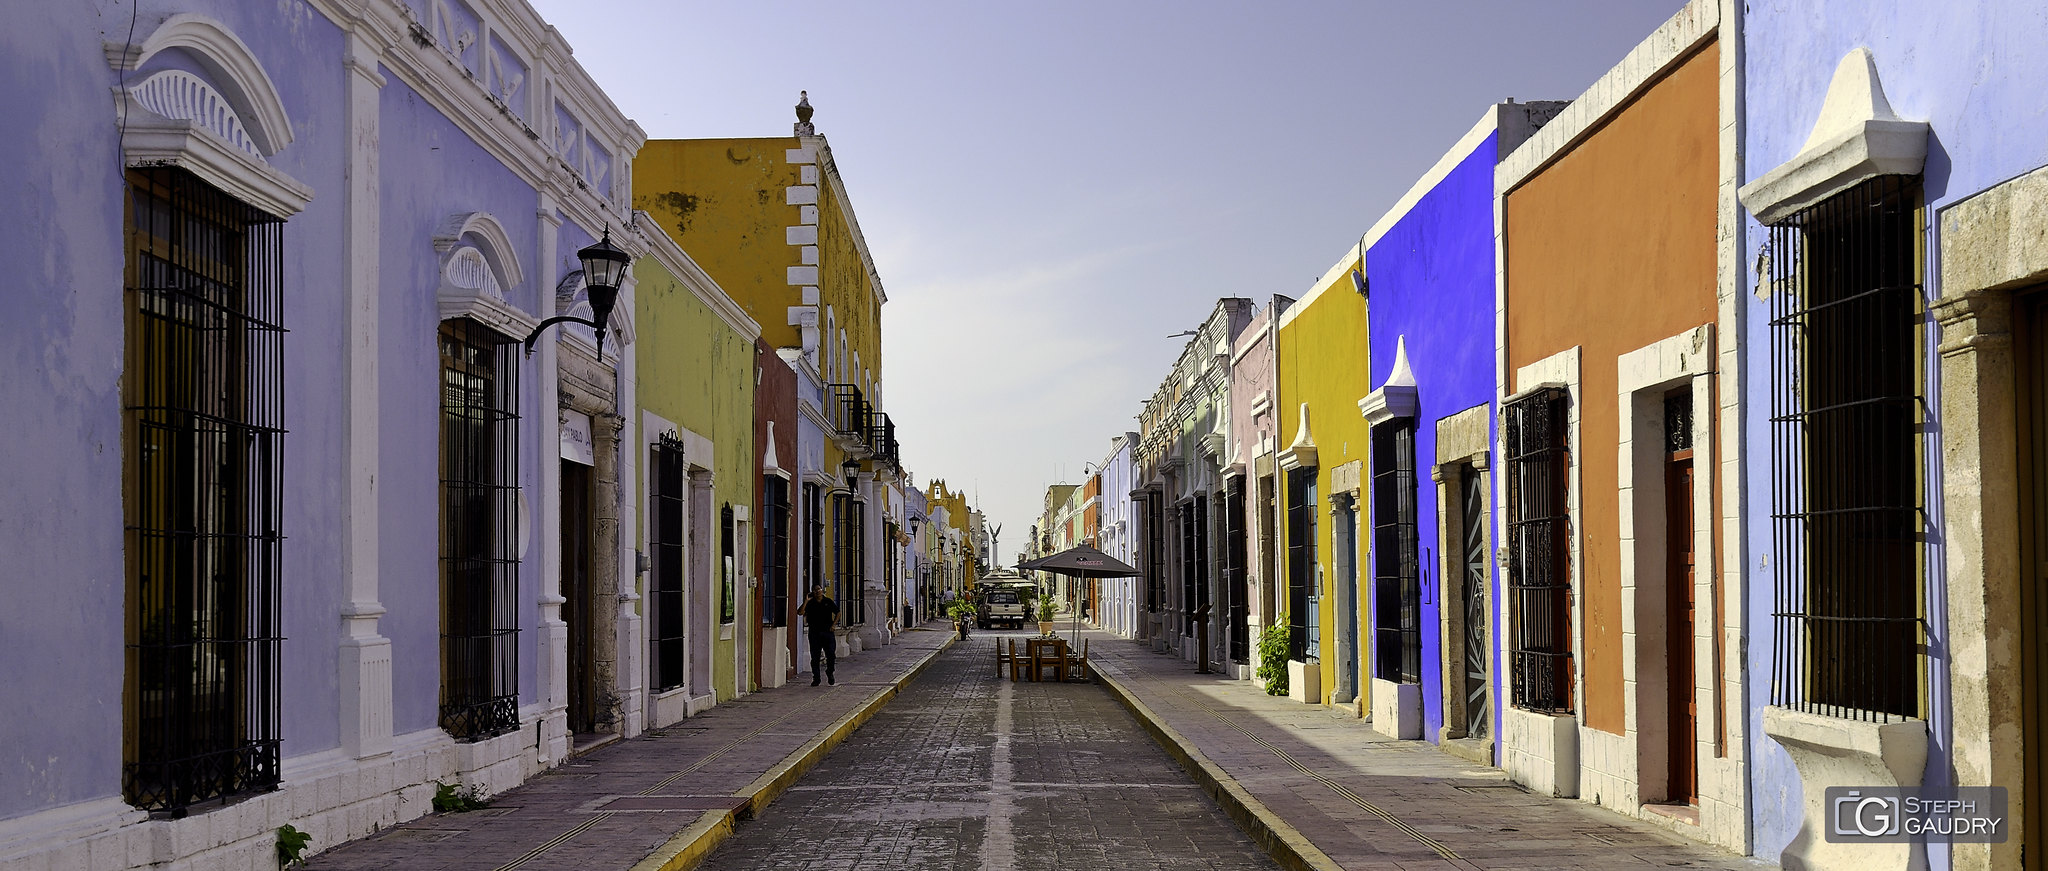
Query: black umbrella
[{"x": 1082, "y": 561}]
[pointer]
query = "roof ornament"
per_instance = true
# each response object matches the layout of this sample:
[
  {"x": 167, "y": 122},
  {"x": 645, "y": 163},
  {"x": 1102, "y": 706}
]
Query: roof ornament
[{"x": 803, "y": 115}]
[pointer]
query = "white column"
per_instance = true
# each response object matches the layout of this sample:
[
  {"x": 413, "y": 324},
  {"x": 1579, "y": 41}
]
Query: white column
[{"x": 365, "y": 661}]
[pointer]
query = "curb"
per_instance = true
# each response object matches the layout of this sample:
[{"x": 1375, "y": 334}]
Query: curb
[
  {"x": 1286, "y": 844},
  {"x": 691, "y": 846}
]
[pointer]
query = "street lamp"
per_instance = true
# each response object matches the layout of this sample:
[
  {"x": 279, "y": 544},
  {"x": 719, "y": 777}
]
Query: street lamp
[
  {"x": 604, "y": 268},
  {"x": 850, "y": 470}
]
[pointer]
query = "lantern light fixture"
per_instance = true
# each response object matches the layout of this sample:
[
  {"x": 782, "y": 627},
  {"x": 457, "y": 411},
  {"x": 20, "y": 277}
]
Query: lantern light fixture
[{"x": 604, "y": 269}]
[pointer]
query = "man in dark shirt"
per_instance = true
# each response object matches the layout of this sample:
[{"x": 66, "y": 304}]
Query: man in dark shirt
[{"x": 820, "y": 612}]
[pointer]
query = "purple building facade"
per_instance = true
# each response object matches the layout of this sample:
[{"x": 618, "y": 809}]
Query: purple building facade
[
  {"x": 296, "y": 539},
  {"x": 1894, "y": 163}
]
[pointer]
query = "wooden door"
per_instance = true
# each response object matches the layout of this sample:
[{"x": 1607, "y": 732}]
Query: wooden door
[
  {"x": 1684, "y": 704},
  {"x": 577, "y": 604},
  {"x": 2030, "y": 364}
]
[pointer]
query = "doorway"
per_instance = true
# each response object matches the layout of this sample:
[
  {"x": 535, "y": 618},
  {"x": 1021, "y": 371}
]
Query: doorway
[
  {"x": 2030, "y": 365},
  {"x": 1682, "y": 700},
  {"x": 577, "y": 599},
  {"x": 1478, "y": 646},
  {"x": 1344, "y": 559}
]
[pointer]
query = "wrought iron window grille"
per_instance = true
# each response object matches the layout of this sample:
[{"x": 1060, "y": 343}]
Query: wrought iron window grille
[
  {"x": 774, "y": 551},
  {"x": 1846, "y": 416},
  {"x": 1539, "y": 552},
  {"x": 1397, "y": 591},
  {"x": 1236, "y": 562},
  {"x": 205, "y": 412},
  {"x": 1301, "y": 558},
  {"x": 667, "y": 591},
  {"x": 479, "y": 523}
]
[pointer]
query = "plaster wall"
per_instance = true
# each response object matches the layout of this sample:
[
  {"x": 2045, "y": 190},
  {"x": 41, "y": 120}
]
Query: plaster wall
[
  {"x": 64, "y": 745},
  {"x": 446, "y": 174},
  {"x": 1431, "y": 276},
  {"x": 697, "y": 371},
  {"x": 1610, "y": 248},
  {"x": 1254, "y": 437},
  {"x": 723, "y": 201},
  {"x": 1974, "y": 77},
  {"x": 1323, "y": 363}
]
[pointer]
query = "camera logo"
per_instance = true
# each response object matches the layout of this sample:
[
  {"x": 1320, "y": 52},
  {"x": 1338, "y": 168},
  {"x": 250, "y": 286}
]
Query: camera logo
[{"x": 1855, "y": 814}]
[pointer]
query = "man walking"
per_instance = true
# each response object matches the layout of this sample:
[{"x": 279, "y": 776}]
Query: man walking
[{"x": 820, "y": 612}]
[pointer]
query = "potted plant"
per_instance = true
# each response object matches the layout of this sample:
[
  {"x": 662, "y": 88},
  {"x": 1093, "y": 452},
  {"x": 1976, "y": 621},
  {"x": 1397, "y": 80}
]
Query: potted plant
[
  {"x": 962, "y": 611},
  {"x": 1045, "y": 612}
]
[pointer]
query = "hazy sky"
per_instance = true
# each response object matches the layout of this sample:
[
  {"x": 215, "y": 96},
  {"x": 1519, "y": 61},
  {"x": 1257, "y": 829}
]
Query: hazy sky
[{"x": 1051, "y": 189}]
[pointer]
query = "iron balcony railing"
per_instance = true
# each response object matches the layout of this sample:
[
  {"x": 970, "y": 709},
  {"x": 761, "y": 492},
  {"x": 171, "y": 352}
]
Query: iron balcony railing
[
  {"x": 849, "y": 410},
  {"x": 881, "y": 438}
]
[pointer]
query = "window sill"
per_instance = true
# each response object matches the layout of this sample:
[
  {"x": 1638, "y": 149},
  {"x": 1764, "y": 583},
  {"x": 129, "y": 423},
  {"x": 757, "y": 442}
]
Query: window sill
[{"x": 1833, "y": 751}]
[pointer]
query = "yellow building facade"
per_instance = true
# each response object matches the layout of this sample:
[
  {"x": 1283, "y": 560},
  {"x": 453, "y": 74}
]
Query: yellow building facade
[
  {"x": 770, "y": 220},
  {"x": 1322, "y": 370}
]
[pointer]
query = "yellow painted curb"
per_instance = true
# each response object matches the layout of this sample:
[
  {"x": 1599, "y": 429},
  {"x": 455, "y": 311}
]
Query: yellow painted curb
[
  {"x": 691, "y": 846},
  {"x": 1287, "y": 845}
]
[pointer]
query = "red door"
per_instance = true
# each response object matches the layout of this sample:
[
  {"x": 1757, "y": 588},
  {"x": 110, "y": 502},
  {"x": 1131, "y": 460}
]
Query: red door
[{"x": 1684, "y": 703}]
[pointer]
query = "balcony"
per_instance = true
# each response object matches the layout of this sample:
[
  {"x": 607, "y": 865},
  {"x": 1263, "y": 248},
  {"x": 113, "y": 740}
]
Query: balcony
[
  {"x": 850, "y": 413},
  {"x": 881, "y": 439}
]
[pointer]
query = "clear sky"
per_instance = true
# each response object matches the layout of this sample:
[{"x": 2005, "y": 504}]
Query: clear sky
[{"x": 1050, "y": 189}]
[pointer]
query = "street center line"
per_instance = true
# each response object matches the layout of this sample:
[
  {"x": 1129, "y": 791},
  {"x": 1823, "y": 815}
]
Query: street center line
[{"x": 999, "y": 840}]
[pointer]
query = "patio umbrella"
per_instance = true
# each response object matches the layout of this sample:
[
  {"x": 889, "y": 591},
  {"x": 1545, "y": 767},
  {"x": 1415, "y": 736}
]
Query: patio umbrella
[{"x": 1082, "y": 561}]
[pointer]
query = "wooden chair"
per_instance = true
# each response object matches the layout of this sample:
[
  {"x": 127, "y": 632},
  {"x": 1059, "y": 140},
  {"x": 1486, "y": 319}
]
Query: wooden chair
[
  {"x": 1005, "y": 659},
  {"x": 1047, "y": 653},
  {"x": 1016, "y": 662},
  {"x": 1077, "y": 663}
]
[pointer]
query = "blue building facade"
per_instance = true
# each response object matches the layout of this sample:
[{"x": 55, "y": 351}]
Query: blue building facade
[{"x": 1429, "y": 270}]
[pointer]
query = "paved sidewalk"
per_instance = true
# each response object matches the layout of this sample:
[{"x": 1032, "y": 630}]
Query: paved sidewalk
[
  {"x": 661, "y": 801},
  {"x": 1323, "y": 791}
]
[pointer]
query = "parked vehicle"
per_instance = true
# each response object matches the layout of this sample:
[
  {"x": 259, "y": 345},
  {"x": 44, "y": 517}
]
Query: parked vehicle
[{"x": 1001, "y": 605}]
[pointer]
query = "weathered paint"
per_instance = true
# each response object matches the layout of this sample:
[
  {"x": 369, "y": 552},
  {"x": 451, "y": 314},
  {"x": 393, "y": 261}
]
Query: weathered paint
[
  {"x": 697, "y": 370},
  {"x": 723, "y": 201},
  {"x": 1974, "y": 76},
  {"x": 1610, "y": 249},
  {"x": 1324, "y": 357},
  {"x": 1431, "y": 276}
]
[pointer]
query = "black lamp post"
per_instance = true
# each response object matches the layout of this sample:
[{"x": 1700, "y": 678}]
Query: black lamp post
[
  {"x": 604, "y": 267},
  {"x": 850, "y": 470}
]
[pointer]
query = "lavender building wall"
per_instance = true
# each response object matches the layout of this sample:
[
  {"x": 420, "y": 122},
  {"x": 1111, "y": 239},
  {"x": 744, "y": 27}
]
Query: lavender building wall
[{"x": 1973, "y": 77}]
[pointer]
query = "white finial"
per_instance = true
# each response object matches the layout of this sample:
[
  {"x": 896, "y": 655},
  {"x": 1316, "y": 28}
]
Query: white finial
[
  {"x": 1402, "y": 376},
  {"x": 1855, "y": 95}
]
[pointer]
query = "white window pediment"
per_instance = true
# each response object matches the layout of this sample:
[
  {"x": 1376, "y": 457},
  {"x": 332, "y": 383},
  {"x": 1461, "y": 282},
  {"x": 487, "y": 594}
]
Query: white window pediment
[
  {"x": 220, "y": 122},
  {"x": 1856, "y": 138},
  {"x": 477, "y": 265}
]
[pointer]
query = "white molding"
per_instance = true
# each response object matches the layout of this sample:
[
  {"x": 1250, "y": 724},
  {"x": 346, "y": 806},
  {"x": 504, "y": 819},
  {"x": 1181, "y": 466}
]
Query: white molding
[
  {"x": 1301, "y": 454},
  {"x": 225, "y": 57},
  {"x": 496, "y": 248},
  {"x": 153, "y": 140},
  {"x": 1856, "y": 138}
]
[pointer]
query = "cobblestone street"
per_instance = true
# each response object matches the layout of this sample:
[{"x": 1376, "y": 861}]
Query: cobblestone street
[{"x": 963, "y": 771}]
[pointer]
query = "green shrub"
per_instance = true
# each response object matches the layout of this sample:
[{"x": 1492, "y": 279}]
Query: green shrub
[
  {"x": 1273, "y": 656},
  {"x": 1045, "y": 609},
  {"x": 455, "y": 798},
  {"x": 291, "y": 843}
]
